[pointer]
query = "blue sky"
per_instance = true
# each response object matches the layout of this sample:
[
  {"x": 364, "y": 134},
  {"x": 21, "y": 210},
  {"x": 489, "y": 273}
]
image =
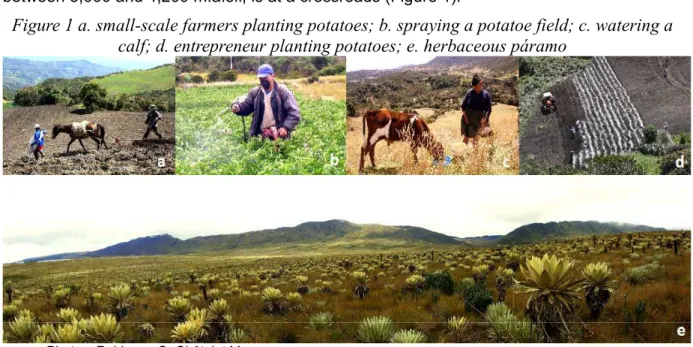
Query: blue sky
[{"x": 139, "y": 63}]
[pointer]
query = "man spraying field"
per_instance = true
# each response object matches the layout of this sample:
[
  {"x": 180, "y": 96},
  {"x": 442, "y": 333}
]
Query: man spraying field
[{"x": 274, "y": 107}]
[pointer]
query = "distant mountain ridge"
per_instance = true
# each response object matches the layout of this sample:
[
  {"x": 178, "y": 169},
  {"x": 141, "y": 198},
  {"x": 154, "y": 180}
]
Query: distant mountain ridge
[
  {"x": 482, "y": 241},
  {"x": 19, "y": 73},
  {"x": 442, "y": 64},
  {"x": 56, "y": 257},
  {"x": 342, "y": 235},
  {"x": 309, "y": 233},
  {"x": 538, "y": 232}
]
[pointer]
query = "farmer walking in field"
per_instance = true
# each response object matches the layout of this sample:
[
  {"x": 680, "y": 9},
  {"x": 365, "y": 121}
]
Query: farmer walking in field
[
  {"x": 153, "y": 117},
  {"x": 274, "y": 107},
  {"x": 476, "y": 110},
  {"x": 37, "y": 141}
]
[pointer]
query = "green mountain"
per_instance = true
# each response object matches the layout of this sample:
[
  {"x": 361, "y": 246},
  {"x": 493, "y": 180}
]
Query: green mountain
[
  {"x": 328, "y": 236},
  {"x": 339, "y": 236},
  {"x": 19, "y": 73},
  {"x": 539, "y": 232}
]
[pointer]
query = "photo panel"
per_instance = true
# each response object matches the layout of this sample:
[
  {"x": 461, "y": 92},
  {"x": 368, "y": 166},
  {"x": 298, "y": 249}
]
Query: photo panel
[
  {"x": 433, "y": 116},
  {"x": 605, "y": 115},
  {"x": 88, "y": 116},
  {"x": 225, "y": 128},
  {"x": 607, "y": 265}
]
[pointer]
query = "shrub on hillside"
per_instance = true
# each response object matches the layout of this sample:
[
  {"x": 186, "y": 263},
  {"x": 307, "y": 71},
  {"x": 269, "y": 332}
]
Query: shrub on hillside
[
  {"x": 442, "y": 281},
  {"x": 529, "y": 167},
  {"x": 313, "y": 79},
  {"x": 93, "y": 96},
  {"x": 320, "y": 62},
  {"x": 616, "y": 165},
  {"x": 351, "y": 109},
  {"x": 476, "y": 298},
  {"x": 443, "y": 81},
  {"x": 333, "y": 70},
  {"x": 26, "y": 97},
  {"x": 650, "y": 134},
  {"x": 49, "y": 96},
  {"x": 228, "y": 75},
  {"x": 668, "y": 163}
]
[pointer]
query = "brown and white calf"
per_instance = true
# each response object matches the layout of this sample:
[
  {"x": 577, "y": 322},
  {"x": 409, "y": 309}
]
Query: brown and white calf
[{"x": 394, "y": 126}]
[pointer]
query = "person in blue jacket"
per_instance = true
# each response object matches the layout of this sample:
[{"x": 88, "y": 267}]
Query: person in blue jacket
[{"x": 37, "y": 141}]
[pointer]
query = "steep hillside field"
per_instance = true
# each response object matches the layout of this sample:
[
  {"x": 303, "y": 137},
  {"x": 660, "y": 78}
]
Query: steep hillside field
[
  {"x": 139, "y": 81},
  {"x": 604, "y": 111}
]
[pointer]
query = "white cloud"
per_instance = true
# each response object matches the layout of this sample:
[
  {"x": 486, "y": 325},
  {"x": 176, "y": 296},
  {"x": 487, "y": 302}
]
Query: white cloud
[{"x": 43, "y": 215}]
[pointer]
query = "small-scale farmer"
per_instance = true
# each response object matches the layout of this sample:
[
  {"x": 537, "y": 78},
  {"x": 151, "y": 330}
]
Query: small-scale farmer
[
  {"x": 153, "y": 118},
  {"x": 476, "y": 110},
  {"x": 37, "y": 141},
  {"x": 274, "y": 107}
]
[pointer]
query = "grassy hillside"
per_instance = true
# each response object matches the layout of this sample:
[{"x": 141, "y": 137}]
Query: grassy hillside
[
  {"x": 539, "y": 232},
  {"x": 139, "y": 81},
  {"x": 313, "y": 237},
  {"x": 123, "y": 91},
  {"x": 408, "y": 90}
]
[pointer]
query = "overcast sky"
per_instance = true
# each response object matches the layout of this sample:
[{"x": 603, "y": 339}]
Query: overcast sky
[
  {"x": 49, "y": 215},
  {"x": 385, "y": 61},
  {"x": 138, "y": 63}
]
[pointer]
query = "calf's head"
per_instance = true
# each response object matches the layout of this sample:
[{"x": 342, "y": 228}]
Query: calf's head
[{"x": 436, "y": 149}]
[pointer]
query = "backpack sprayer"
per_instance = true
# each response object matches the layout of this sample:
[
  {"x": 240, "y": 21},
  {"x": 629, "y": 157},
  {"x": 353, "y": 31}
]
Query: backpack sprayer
[{"x": 238, "y": 100}]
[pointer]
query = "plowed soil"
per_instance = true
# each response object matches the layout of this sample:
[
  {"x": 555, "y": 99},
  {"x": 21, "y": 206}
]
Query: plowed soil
[
  {"x": 659, "y": 87},
  {"x": 127, "y": 153},
  {"x": 547, "y": 138}
]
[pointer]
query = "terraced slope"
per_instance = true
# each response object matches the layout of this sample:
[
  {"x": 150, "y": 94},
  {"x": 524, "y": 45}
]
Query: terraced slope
[{"x": 611, "y": 124}]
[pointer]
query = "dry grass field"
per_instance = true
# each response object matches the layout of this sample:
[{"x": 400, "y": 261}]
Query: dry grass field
[{"x": 490, "y": 159}]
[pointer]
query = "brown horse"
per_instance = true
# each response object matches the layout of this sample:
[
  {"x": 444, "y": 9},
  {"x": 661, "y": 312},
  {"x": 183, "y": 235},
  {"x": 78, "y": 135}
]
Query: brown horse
[{"x": 82, "y": 130}]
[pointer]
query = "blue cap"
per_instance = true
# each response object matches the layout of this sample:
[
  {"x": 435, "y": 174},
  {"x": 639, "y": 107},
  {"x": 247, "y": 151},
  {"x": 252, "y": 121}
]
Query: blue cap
[{"x": 264, "y": 70}]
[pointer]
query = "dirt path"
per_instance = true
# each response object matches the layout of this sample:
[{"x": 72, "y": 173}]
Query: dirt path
[
  {"x": 129, "y": 156},
  {"x": 491, "y": 158}
]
